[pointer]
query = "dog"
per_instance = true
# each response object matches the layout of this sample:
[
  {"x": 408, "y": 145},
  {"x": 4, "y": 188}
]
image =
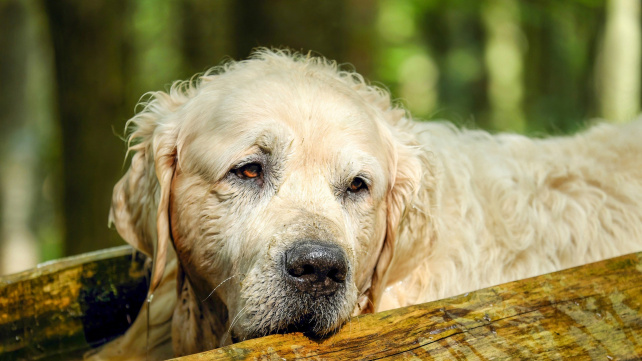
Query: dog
[{"x": 283, "y": 193}]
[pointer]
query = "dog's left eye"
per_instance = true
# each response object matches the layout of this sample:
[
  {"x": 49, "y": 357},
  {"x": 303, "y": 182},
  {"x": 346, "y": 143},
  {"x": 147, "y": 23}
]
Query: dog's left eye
[
  {"x": 357, "y": 185},
  {"x": 249, "y": 171}
]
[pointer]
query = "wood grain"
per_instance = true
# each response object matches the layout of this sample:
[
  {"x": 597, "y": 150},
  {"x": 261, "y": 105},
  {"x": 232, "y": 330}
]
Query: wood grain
[
  {"x": 63, "y": 308},
  {"x": 588, "y": 312}
]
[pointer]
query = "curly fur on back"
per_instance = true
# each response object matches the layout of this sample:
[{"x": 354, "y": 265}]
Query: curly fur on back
[{"x": 506, "y": 207}]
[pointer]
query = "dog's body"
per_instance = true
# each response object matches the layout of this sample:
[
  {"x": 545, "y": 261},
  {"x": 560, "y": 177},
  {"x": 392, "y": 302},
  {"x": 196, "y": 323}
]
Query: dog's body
[
  {"x": 296, "y": 195},
  {"x": 509, "y": 207}
]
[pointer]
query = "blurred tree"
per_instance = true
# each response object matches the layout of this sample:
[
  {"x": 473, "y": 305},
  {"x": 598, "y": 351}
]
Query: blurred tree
[
  {"x": 405, "y": 57},
  {"x": 504, "y": 64},
  {"x": 360, "y": 39},
  {"x": 620, "y": 62},
  {"x": 29, "y": 218},
  {"x": 207, "y": 33},
  {"x": 92, "y": 56},
  {"x": 307, "y": 25},
  {"x": 155, "y": 56},
  {"x": 528, "y": 66},
  {"x": 559, "y": 63},
  {"x": 463, "y": 78}
]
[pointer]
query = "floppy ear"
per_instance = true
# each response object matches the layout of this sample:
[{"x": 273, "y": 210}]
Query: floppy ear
[
  {"x": 406, "y": 174},
  {"x": 140, "y": 202}
]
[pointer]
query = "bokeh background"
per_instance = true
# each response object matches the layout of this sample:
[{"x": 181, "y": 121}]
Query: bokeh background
[{"x": 71, "y": 73}]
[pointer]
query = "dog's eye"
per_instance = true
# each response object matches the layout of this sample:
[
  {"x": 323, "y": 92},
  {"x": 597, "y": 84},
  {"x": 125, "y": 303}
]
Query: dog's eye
[
  {"x": 357, "y": 185},
  {"x": 249, "y": 171}
]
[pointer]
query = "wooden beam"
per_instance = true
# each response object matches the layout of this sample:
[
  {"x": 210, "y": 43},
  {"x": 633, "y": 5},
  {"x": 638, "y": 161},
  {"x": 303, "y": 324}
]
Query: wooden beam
[
  {"x": 64, "y": 308},
  {"x": 588, "y": 312}
]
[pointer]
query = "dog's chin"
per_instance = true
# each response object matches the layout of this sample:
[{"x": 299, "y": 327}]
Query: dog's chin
[
  {"x": 311, "y": 325},
  {"x": 315, "y": 318}
]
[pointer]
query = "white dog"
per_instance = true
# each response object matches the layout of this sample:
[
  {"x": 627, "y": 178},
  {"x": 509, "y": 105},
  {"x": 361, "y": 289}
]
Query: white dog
[{"x": 294, "y": 195}]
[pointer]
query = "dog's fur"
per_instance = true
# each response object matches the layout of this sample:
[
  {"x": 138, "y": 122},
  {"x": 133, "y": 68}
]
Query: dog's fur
[{"x": 445, "y": 210}]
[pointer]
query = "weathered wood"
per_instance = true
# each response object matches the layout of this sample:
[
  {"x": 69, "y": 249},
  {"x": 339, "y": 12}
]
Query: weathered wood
[
  {"x": 63, "y": 308},
  {"x": 589, "y": 312}
]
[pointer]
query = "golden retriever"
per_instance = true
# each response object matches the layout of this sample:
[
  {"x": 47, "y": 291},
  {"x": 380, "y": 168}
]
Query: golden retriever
[{"x": 282, "y": 193}]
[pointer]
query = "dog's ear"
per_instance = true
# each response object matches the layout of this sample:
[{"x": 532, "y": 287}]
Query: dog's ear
[
  {"x": 406, "y": 172},
  {"x": 140, "y": 202}
]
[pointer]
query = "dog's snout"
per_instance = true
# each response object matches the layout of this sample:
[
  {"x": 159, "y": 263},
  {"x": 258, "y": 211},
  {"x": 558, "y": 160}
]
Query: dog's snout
[{"x": 316, "y": 268}]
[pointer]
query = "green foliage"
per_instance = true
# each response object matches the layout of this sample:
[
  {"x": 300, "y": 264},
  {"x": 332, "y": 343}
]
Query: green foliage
[{"x": 507, "y": 65}]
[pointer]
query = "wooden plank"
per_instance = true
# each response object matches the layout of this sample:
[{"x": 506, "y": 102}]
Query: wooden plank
[
  {"x": 63, "y": 308},
  {"x": 588, "y": 312}
]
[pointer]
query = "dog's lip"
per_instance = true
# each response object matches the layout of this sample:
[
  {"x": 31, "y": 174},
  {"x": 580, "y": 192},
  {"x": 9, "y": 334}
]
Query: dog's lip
[
  {"x": 310, "y": 323},
  {"x": 306, "y": 325}
]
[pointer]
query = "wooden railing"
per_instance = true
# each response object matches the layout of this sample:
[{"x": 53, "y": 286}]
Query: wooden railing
[
  {"x": 63, "y": 308},
  {"x": 588, "y": 312}
]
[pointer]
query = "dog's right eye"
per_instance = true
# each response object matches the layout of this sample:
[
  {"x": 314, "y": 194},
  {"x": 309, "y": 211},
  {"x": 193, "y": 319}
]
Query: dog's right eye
[
  {"x": 357, "y": 185},
  {"x": 249, "y": 171}
]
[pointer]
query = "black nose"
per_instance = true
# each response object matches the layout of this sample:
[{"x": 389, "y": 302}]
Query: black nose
[{"x": 316, "y": 268}]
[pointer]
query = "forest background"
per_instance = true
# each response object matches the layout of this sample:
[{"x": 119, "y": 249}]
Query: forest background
[{"x": 71, "y": 73}]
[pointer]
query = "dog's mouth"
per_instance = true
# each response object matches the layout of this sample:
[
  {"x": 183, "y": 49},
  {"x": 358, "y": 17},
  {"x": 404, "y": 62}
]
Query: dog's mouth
[
  {"x": 312, "y": 325},
  {"x": 307, "y": 325}
]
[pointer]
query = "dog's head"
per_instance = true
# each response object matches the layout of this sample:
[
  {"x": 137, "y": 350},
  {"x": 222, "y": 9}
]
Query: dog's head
[{"x": 281, "y": 182}]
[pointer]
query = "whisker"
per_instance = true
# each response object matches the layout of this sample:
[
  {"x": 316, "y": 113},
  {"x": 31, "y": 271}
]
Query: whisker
[
  {"x": 373, "y": 306},
  {"x": 219, "y": 285},
  {"x": 236, "y": 318},
  {"x": 149, "y": 311}
]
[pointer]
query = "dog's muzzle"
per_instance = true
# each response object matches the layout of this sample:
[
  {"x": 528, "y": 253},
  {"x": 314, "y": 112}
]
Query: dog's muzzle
[{"x": 316, "y": 268}]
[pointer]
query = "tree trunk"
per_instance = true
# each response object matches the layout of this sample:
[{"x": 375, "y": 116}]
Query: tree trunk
[
  {"x": 504, "y": 64},
  {"x": 618, "y": 83},
  {"x": 301, "y": 25},
  {"x": 29, "y": 156},
  {"x": 208, "y": 37},
  {"x": 90, "y": 54}
]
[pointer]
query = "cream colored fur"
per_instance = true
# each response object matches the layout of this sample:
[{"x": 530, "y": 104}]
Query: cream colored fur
[{"x": 446, "y": 211}]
